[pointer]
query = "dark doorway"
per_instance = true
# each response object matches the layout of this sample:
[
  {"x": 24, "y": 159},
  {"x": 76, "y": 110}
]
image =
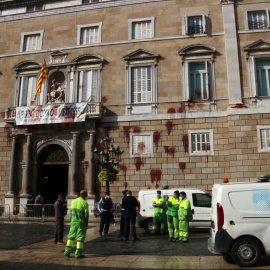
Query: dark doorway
[
  {"x": 54, "y": 181},
  {"x": 53, "y": 173}
]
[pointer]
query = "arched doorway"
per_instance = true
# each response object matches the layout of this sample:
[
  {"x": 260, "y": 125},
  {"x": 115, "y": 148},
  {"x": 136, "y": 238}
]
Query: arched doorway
[{"x": 53, "y": 162}]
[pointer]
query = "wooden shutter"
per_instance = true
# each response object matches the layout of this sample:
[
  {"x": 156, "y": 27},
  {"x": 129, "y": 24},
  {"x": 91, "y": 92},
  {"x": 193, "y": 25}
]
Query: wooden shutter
[
  {"x": 186, "y": 24},
  {"x": 32, "y": 85},
  {"x": 23, "y": 91},
  {"x": 204, "y": 26}
]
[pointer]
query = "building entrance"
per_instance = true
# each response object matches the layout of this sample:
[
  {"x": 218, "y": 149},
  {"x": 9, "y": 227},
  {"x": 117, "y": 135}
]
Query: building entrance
[{"x": 53, "y": 173}]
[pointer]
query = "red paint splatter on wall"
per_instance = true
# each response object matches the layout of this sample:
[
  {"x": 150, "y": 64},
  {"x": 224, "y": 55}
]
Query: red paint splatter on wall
[
  {"x": 156, "y": 138},
  {"x": 169, "y": 125},
  {"x": 8, "y": 130},
  {"x": 123, "y": 168},
  {"x": 104, "y": 100},
  {"x": 182, "y": 109},
  {"x": 155, "y": 176},
  {"x": 138, "y": 163},
  {"x": 185, "y": 143},
  {"x": 239, "y": 106},
  {"x": 102, "y": 145},
  {"x": 198, "y": 107},
  {"x": 49, "y": 137},
  {"x": 171, "y": 110},
  {"x": 83, "y": 155},
  {"x": 169, "y": 151},
  {"x": 86, "y": 166},
  {"x": 127, "y": 130},
  {"x": 136, "y": 129},
  {"x": 108, "y": 130},
  {"x": 141, "y": 146},
  {"x": 182, "y": 166}
]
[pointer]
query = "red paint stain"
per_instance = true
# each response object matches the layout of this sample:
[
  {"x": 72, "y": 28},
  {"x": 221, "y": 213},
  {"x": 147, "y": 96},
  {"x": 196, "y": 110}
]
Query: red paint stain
[
  {"x": 169, "y": 125},
  {"x": 171, "y": 110},
  {"x": 182, "y": 109},
  {"x": 92, "y": 160},
  {"x": 102, "y": 145},
  {"x": 239, "y": 106},
  {"x": 141, "y": 147},
  {"x": 136, "y": 129},
  {"x": 155, "y": 176},
  {"x": 169, "y": 151},
  {"x": 198, "y": 107},
  {"x": 86, "y": 166},
  {"x": 156, "y": 138},
  {"x": 104, "y": 100},
  {"x": 49, "y": 137},
  {"x": 182, "y": 166},
  {"x": 123, "y": 168},
  {"x": 185, "y": 143},
  {"x": 127, "y": 130},
  {"x": 108, "y": 130},
  {"x": 83, "y": 155},
  {"x": 8, "y": 130},
  {"x": 138, "y": 163}
]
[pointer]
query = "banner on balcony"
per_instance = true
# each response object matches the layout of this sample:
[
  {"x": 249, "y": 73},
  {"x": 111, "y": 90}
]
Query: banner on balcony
[{"x": 50, "y": 114}]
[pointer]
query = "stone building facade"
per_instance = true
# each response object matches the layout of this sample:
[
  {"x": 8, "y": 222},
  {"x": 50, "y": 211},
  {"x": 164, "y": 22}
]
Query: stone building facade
[{"x": 182, "y": 87}]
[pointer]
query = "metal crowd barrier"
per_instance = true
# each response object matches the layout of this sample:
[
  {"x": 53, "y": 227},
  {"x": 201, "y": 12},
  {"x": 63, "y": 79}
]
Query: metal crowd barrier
[
  {"x": 28, "y": 211},
  {"x": 5, "y": 211}
]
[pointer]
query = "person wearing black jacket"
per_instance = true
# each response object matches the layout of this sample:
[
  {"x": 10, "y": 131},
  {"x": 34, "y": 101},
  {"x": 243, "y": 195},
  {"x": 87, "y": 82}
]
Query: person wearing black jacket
[
  {"x": 59, "y": 218},
  {"x": 129, "y": 203}
]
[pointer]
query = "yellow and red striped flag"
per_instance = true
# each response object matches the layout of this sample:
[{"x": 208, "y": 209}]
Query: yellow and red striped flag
[{"x": 41, "y": 79}]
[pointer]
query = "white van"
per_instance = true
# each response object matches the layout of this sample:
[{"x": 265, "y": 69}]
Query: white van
[
  {"x": 240, "y": 221},
  {"x": 200, "y": 201}
]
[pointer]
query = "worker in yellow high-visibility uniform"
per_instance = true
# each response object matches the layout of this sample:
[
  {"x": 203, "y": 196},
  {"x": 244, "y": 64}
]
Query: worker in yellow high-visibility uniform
[
  {"x": 172, "y": 216},
  {"x": 79, "y": 215},
  {"x": 185, "y": 215},
  {"x": 158, "y": 204}
]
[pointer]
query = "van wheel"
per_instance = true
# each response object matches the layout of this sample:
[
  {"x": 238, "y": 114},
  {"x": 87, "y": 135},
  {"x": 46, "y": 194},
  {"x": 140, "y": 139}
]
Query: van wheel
[
  {"x": 148, "y": 226},
  {"x": 246, "y": 252}
]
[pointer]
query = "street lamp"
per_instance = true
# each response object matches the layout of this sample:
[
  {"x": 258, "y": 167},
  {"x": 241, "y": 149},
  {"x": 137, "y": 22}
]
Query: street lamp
[{"x": 107, "y": 157}]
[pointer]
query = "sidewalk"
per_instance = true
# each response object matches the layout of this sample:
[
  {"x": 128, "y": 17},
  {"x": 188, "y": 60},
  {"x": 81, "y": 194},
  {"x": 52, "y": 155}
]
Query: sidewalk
[{"x": 36, "y": 250}]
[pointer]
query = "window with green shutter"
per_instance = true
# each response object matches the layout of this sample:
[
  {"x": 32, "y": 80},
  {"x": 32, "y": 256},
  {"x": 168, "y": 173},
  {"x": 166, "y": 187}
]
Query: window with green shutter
[{"x": 263, "y": 77}]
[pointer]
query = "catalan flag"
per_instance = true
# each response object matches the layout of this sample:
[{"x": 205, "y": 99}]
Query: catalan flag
[{"x": 41, "y": 79}]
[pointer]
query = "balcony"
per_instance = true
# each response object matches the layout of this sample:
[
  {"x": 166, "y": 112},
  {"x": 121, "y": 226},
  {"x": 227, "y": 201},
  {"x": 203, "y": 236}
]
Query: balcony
[{"x": 93, "y": 111}]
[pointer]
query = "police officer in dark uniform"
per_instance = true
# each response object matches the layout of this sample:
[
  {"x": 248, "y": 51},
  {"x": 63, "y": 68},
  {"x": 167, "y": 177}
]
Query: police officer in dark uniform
[{"x": 105, "y": 208}]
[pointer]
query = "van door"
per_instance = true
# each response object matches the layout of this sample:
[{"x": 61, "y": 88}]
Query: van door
[{"x": 201, "y": 209}]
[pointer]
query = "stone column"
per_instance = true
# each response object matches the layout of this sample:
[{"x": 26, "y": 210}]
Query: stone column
[
  {"x": 91, "y": 169},
  {"x": 28, "y": 165},
  {"x": 232, "y": 55},
  {"x": 11, "y": 196},
  {"x": 74, "y": 166}
]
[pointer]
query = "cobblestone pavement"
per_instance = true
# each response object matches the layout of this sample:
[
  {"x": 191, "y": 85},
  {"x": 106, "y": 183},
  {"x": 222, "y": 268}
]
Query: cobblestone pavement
[{"x": 26, "y": 246}]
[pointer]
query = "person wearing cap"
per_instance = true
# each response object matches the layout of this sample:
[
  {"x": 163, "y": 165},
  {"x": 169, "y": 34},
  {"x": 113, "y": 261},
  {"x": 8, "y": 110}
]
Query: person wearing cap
[
  {"x": 79, "y": 214},
  {"x": 122, "y": 219},
  {"x": 105, "y": 208}
]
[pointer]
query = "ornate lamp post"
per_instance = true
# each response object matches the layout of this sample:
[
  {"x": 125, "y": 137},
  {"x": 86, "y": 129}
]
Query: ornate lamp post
[{"x": 107, "y": 158}]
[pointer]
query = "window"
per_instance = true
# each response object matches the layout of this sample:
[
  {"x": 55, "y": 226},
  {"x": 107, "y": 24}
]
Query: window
[
  {"x": 34, "y": 8},
  {"x": 31, "y": 41},
  {"x": 263, "y": 133},
  {"x": 201, "y": 200},
  {"x": 89, "y": 34},
  {"x": 89, "y": 1},
  {"x": 141, "y": 28},
  {"x": 258, "y": 19},
  {"x": 88, "y": 86},
  {"x": 141, "y": 84},
  {"x": 263, "y": 77},
  {"x": 198, "y": 81},
  {"x": 27, "y": 87},
  {"x": 201, "y": 142},
  {"x": 195, "y": 24},
  {"x": 198, "y": 74},
  {"x": 141, "y": 144}
]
